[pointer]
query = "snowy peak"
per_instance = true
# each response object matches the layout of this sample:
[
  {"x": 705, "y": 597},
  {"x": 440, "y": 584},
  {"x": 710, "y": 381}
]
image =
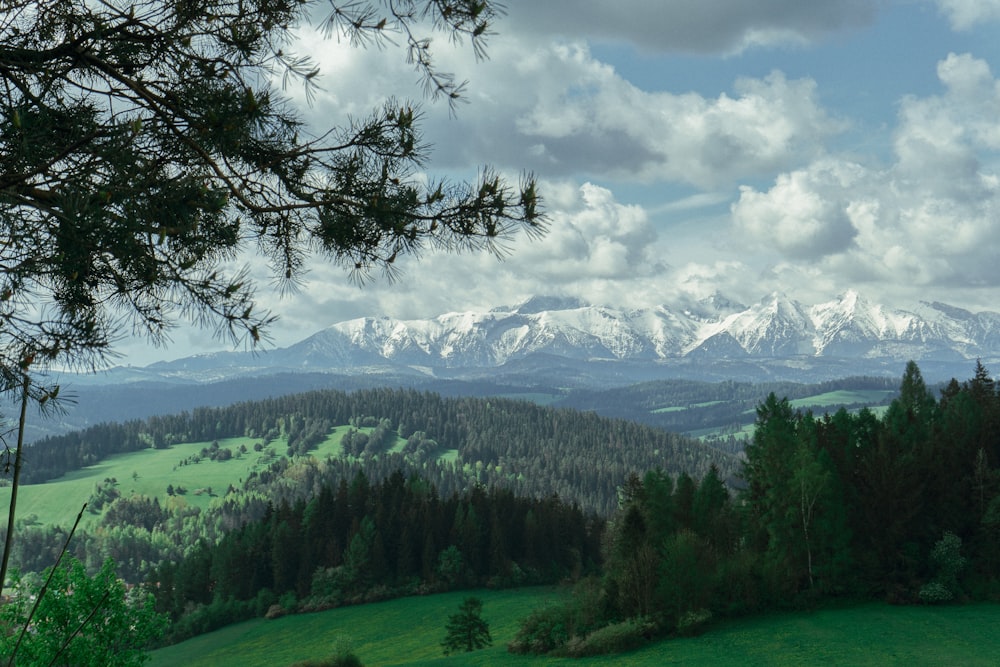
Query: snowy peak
[{"x": 849, "y": 326}]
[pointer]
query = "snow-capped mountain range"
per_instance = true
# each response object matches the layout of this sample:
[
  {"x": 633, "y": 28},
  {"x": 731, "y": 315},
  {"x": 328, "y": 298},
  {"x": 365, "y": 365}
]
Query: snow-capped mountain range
[
  {"x": 777, "y": 331},
  {"x": 776, "y": 326}
]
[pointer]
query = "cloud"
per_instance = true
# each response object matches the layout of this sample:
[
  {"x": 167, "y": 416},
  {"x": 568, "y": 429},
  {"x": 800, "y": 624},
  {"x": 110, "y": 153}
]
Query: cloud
[
  {"x": 966, "y": 14},
  {"x": 582, "y": 117},
  {"x": 693, "y": 26},
  {"x": 553, "y": 108},
  {"x": 929, "y": 219},
  {"x": 595, "y": 248},
  {"x": 806, "y": 215}
]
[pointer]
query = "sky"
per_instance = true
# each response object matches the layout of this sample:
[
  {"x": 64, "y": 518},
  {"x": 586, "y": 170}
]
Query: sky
[{"x": 688, "y": 147}]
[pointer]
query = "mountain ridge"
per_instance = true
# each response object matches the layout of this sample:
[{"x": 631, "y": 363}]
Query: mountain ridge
[
  {"x": 776, "y": 326},
  {"x": 775, "y": 337}
]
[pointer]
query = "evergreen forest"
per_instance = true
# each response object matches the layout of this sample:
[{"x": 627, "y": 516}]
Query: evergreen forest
[
  {"x": 903, "y": 508},
  {"x": 657, "y": 534}
]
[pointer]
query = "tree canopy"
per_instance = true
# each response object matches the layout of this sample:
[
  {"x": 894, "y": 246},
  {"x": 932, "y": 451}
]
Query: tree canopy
[
  {"x": 146, "y": 146},
  {"x": 82, "y": 620}
]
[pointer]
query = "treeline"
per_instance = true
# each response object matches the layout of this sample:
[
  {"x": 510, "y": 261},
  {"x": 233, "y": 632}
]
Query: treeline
[
  {"x": 903, "y": 508},
  {"x": 363, "y": 541},
  {"x": 530, "y": 449}
]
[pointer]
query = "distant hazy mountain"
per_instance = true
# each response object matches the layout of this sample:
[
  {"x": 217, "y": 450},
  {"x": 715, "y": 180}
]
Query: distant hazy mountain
[
  {"x": 713, "y": 338},
  {"x": 554, "y": 346},
  {"x": 776, "y": 326}
]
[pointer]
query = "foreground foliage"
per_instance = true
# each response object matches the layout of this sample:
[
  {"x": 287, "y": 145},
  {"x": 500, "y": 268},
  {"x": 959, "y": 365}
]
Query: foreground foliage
[
  {"x": 146, "y": 145},
  {"x": 79, "y": 620}
]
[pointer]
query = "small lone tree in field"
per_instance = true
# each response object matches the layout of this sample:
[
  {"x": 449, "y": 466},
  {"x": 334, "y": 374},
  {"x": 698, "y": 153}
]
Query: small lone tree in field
[{"x": 466, "y": 630}]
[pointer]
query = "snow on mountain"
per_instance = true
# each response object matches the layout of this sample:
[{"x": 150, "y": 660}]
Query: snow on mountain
[
  {"x": 710, "y": 338},
  {"x": 775, "y": 327}
]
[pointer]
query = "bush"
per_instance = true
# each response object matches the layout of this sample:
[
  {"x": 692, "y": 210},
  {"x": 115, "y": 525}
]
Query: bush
[
  {"x": 275, "y": 611},
  {"x": 615, "y": 638},
  {"x": 550, "y": 628},
  {"x": 693, "y": 623},
  {"x": 948, "y": 562},
  {"x": 545, "y": 630},
  {"x": 935, "y": 592}
]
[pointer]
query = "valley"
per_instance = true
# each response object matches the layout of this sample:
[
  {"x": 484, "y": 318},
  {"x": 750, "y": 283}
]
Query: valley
[{"x": 176, "y": 498}]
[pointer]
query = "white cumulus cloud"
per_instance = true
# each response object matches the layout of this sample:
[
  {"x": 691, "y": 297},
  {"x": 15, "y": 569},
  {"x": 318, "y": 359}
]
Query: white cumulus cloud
[
  {"x": 931, "y": 218},
  {"x": 587, "y": 118},
  {"x": 965, "y": 14}
]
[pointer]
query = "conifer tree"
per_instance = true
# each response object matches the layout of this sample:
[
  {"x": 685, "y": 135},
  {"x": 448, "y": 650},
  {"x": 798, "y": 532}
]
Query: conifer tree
[
  {"x": 467, "y": 631},
  {"x": 145, "y": 145}
]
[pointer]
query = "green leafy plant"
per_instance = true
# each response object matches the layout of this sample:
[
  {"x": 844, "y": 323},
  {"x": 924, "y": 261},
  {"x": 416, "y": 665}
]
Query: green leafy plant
[{"x": 75, "y": 619}]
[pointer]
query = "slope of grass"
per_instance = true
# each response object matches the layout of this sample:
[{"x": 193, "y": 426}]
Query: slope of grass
[
  {"x": 404, "y": 631},
  {"x": 149, "y": 472},
  {"x": 408, "y": 632},
  {"x": 842, "y": 397}
]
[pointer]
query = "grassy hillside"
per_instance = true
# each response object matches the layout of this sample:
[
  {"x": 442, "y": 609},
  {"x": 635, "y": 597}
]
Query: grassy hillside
[
  {"x": 149, "y": 472},
  {"x": 407, "y": 632},
  {"x": 404, "y": 631}
]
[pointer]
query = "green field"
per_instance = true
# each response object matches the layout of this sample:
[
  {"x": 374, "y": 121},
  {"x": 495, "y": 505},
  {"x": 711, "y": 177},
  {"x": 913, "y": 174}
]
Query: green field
[
  {"x": 404, "y": 631},
  {"x": 842, "y": 397},
  {"x": 408, "y": 631},
  {"x": 149, "y": 471},
  {"x": 679, "y": 408},
  {"x": 818, "y": 403}
]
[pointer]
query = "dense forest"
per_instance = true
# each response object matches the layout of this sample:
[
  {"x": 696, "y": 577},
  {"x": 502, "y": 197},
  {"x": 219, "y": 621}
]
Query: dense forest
[
  {"x": 676, "y": 405},
  {"x": 659, "y": 533},
  {"x": 454, "y": 444},
  {"x": 903, "y": 508},
  {"x": 533, "y": 450},
  {"x": 363, "y": 542}
]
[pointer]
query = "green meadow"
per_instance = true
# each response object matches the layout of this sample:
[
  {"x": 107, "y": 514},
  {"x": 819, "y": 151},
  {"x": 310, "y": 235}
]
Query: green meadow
[
  {"x": 408, "y": 632},
  {"x": 842, "y": 397},
  {"x": 150, "y": 471}
]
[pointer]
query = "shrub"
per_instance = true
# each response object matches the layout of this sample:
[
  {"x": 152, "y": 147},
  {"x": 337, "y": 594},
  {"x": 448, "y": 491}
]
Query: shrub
[
  {"x": 948, "y": 561},
  {"x": 615, "y": 638},
  {"x": 545, "y": 630},
  {"x": 935, "y": 592},
  {"x": 693, "y": 623},
  {"x": 275, "y": 611}
]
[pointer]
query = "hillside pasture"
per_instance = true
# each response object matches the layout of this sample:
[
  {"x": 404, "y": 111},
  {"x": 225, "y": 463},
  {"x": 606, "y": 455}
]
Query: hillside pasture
[
  {"x": 149, "y": 472},
  {"x": 408, "y": 632},
  {"x": 396, "y": 632},
  {"x": 835, "y": 399}
]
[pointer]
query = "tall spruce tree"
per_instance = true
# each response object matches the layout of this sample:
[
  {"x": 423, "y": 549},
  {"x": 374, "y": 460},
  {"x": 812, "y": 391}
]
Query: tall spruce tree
[{"x": 467, "y": 630}]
